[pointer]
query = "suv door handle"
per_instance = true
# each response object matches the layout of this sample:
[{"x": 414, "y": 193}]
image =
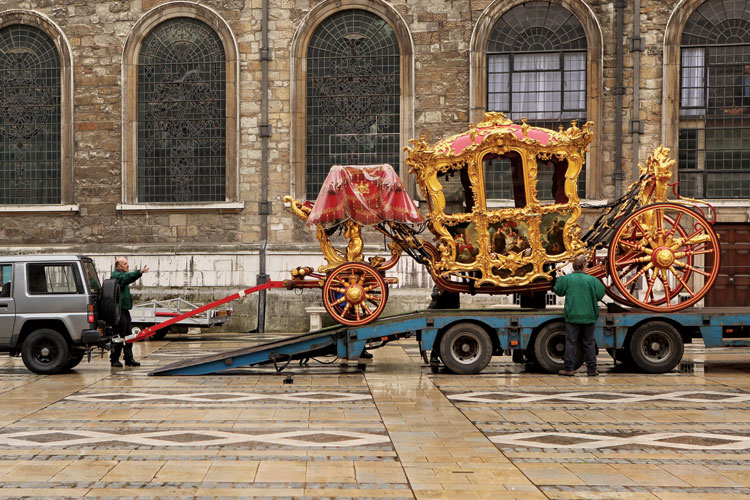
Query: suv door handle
[{"x": 3, "y": 305}]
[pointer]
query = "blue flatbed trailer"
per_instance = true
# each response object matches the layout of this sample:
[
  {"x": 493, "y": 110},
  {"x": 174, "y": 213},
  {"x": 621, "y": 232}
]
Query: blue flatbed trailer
[{"x": 464, "y": 340}]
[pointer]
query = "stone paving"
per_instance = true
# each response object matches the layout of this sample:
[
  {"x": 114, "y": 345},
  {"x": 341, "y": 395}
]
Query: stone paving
[{"x": 396, "y": 431}]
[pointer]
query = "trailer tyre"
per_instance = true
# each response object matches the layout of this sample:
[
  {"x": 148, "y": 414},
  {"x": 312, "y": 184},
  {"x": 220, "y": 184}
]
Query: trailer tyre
[
  {"x": 622, "y": 356},
  {"x": 549, "y": 348},
  {"x": 110, "y": 302},
  {"x": 45, "y": 351},
  {"x": 656, "y": 347},
  {"x": 466, "y": 348}
]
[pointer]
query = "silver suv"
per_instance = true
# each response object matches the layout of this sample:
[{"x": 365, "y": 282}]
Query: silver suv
[{"x": 54, "y": 310}]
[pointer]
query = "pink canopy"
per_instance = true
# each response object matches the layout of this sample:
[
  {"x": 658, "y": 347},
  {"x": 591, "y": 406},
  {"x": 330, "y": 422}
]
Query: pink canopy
[
  {"x": 367, "y": 194},
  {"x": 458, "y": 143}
]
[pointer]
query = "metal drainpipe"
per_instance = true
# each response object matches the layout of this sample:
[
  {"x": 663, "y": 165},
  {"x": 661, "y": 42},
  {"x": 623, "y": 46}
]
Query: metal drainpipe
[
  {"x": 264, "y": 206},
  {"x": 636, "y": 125},
  {"x": 619, "y": 91}
]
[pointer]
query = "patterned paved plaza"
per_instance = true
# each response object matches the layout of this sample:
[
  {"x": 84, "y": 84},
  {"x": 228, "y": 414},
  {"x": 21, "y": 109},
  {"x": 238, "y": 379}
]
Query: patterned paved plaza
[{"x": 397, "y": 431}]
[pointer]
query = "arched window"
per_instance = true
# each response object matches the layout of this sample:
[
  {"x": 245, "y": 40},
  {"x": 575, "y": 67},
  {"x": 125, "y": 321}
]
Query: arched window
[
  {"x": 353, "y": 95},
  {"x": 181, "y": 114},
  {"x": 30, "y": 127},
  {"x": 714, "y": 130},
  {"x": 536, "y": 69}
]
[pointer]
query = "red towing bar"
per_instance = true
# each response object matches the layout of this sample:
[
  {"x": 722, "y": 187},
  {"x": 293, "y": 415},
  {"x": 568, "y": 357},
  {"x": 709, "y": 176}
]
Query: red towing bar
[{"x": 147, "y": 332}]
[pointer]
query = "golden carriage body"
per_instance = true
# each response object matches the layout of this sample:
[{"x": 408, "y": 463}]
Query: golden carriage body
[{"x": 660, "y": 255}]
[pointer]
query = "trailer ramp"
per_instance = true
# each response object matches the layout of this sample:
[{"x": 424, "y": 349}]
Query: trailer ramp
[
  {"x": 278, "y": 352},
  {"x": 344, "y": 342}
]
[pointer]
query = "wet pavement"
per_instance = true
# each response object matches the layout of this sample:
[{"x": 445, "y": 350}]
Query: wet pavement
[{"x": 396, "y": 431}]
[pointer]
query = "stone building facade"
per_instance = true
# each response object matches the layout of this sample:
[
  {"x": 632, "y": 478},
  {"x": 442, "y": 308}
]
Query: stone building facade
[{"x": 201, "y": 231}]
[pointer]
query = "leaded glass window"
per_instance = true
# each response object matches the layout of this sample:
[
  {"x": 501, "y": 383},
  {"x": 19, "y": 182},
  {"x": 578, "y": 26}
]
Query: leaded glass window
[
  {"x": 536, "y": 69},
  {"x": 714, "y": 131},
  {"x": 353, "y": 95},
  {"x": 181, "y": 114},
  {"x": 30, "y": 162}
]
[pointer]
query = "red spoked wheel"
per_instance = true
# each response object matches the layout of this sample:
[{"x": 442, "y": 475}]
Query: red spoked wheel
[
  {"x": 609, "y": 281},
  {"x": 658, "y": 252},
  {"x": 354, "y": 294}
]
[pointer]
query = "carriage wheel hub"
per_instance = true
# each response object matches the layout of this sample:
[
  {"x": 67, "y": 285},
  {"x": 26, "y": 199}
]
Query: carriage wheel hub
[
  {"x": 663, "y": 257},
  {"x": 355, "y": 294}
]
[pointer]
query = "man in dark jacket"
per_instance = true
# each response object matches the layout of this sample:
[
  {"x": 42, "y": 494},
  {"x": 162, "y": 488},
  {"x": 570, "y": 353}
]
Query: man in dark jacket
[
  {"x": 582, "y": 294},
  {"x": 124, "y": 277}
]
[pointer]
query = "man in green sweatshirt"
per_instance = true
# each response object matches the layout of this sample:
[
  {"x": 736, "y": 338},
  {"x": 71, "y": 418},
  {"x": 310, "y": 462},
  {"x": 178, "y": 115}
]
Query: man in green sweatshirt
[
  {"x": 582, "y": 294},
  {"x": 124, "y": 277}
]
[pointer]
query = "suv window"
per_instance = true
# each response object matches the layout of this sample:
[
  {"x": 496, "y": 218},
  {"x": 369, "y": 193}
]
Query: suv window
[
  {"x": 5, "y": 276},
  {"x": 93, "y": 279},
  {"x": 52, "y": 278}
]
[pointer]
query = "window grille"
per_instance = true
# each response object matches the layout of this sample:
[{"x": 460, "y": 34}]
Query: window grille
[
  {"x": 181, "y": 114},
  {"x": 536, "y": 69},
  {"x": 30, "y": 160},
  {"x": 353, "y": 95},
  {"x": 714, "y": 130}
]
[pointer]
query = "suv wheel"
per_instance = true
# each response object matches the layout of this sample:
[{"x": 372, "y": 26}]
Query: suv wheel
[
  {"x": 110, "y": 302},
  {"x": 45, "y": 351},
  {"x": 76, "y": 356}
]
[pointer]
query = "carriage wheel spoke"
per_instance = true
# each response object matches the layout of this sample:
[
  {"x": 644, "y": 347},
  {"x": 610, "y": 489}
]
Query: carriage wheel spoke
[
  {"x": 636, "y": 260},
  {"x": 659, "y": 227},
  {"x": 342, "y": 299},
  {"x": 694, "y": 239},
  {"x": 623, "y": 272},
  {"x": 639, "y": 273},
  {"x": 346, "y": 308},
  {"x": 649, "y": 291},
  {"x": 663, "y": 277},
  {"x": 671, "y": 232},
  {"x": 637, "y": 246},
  {"x": 681, "y": 280},
  {"x": 646, "y": 234},
  {"x": 694, "y": 269},
  {"x": 365, "y": 309},
  {"x": 690, "y": 253}
]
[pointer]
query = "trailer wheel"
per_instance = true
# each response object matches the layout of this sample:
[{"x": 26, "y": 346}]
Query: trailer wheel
[
  {"x": 549, "y": 348},
  {"x": 110, "y": 302},
  {"x": 466, "y": 348},
  {"x": 656, "y": 347}
]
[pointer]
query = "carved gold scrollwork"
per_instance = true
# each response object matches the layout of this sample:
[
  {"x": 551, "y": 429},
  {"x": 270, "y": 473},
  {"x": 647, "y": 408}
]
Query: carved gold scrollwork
[
  {"x": 331, "y": 254},
  {"x": 495, "y": 134}
]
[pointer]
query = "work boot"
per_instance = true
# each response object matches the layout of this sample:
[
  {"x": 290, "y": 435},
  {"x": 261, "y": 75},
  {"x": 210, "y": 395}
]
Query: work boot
[
  {"x": 131, "y": 362},
  {"x": 595, "y": 373},
  {"x": 566, "y": 373},
  {"x": 116, "y": 364}
]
